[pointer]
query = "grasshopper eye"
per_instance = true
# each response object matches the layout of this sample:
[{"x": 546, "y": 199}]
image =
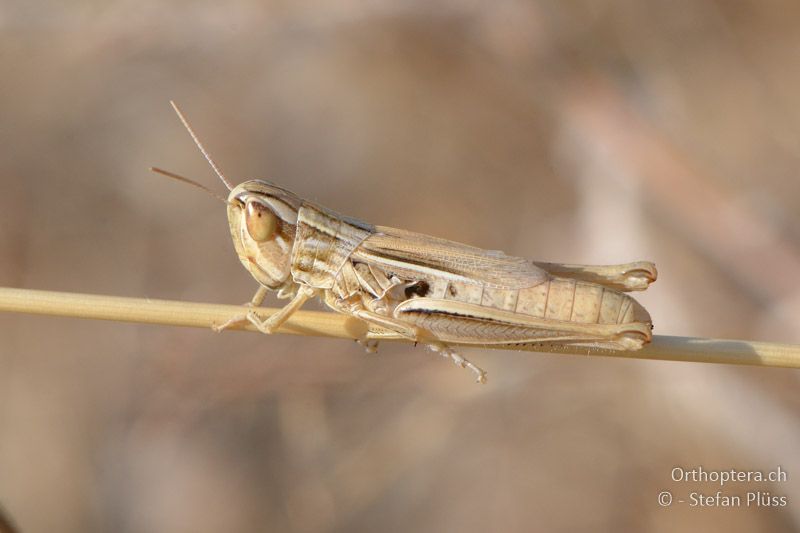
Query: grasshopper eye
[{"x": 261, "y": 222}]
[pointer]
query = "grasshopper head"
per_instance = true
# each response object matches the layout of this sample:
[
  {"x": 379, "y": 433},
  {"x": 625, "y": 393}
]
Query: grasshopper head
[{"x": 263, "y": 219}]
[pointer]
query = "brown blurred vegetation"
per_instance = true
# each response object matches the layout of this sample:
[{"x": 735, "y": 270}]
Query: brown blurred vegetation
[{"x": 592, "y": 132}]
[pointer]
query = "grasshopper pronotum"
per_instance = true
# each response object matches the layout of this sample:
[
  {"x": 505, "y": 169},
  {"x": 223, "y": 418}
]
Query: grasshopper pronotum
[{"x": 430, "y": 290}]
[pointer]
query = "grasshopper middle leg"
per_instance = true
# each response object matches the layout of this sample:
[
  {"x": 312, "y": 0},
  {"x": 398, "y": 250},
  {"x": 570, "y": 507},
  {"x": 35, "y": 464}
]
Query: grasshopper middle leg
[{"x": 417, "y": 334}]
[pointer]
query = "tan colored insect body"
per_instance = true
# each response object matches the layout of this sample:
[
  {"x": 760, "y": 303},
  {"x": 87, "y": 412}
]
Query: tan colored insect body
[{"x": 431, "y": 290}]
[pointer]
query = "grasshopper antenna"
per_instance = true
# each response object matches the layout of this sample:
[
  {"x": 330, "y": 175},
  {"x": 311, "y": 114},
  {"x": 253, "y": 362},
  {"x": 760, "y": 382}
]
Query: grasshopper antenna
[
  {"x": 178, "y": 177},
  {"x": 202, "y": 150}
]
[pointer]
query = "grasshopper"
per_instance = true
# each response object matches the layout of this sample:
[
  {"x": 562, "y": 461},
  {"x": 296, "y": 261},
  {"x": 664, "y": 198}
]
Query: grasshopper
[{"x": 430, "y": 290}]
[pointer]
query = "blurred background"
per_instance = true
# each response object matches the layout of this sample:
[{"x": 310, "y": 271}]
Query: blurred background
[{"x": 587, "y": 131}]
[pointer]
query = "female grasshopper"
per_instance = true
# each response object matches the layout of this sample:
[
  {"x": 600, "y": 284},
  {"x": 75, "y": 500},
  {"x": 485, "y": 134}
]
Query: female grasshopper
[{"x": 427, "y": 289}]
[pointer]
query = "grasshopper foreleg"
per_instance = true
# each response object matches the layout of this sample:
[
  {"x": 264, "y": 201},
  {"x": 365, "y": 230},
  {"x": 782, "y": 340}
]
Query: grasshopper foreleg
[
  {"x": 258, "y": 297},
  {"x": 270, "y": 324}
]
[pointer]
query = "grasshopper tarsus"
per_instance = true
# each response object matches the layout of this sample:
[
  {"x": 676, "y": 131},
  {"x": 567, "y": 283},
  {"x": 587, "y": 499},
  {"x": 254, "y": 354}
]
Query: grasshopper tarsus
[
  {"x": 459, "y": 360},
  {"x": 369, "y": 345},
  {"x": 250, "y": 317},
  {"x": 236, "y": 320},
  {"x": 266, "y": 326}
]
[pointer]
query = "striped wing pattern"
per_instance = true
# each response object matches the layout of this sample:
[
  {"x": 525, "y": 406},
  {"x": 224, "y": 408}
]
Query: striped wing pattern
[{"x": 424, "y": 257}]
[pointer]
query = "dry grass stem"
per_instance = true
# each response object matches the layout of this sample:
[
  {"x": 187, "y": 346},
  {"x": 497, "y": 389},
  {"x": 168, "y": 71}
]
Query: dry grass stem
[{"x": 328, "y": 324}]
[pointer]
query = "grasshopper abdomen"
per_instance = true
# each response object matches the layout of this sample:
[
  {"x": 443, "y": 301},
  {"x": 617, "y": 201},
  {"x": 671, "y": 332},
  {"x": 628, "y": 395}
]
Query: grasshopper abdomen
[{"x": 558, "y": 311}]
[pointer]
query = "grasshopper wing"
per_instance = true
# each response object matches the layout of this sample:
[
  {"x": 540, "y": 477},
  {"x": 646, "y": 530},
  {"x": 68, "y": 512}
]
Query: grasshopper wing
[{"x": 417, "y": 256}]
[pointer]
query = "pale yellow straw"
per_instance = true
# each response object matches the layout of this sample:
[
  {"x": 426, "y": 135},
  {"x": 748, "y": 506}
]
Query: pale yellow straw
[{"x": 329, "y": 324}]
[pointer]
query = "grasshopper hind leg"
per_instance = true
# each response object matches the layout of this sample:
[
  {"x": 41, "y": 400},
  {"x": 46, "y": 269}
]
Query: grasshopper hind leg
[
  {"x": 625, "y": 277},
  {"x": 445, "y": 351}
]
